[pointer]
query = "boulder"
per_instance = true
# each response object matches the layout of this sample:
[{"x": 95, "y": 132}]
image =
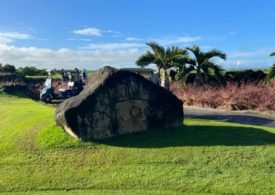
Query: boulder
[{"x": 117, "y": 102}]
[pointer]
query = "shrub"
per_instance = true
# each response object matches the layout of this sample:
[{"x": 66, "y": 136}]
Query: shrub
[
  {"x": 31, "y": 71},
  {"x": 8, "y": 68},
  {"x": 233, "y": 97}
]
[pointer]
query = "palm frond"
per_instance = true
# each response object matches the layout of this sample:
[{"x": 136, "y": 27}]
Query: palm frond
[
  {"x": 146, "y": 59},
  {"x": 173, "y": 55},
  {"x": 214, "y": 66},
  {"x": 186, "y": 60},
  {"x": 215, "y": 53},
  {"x": 159, "y": 53},
  {"x": 158, "y": 49},
  {"x": 217, "y": 70},
  {"x": 194, "y": 49},
  {"x": 271, "y": 73},
  {"x": 184, "y": 71},
  {"x": 206, "y": 69},
  {"x": 175, "y": 51},
  {"x": 272, "y": 54}
]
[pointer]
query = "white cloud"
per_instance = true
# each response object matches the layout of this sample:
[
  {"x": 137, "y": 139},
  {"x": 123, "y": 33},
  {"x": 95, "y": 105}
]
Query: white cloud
[
  {"x": 238, "y": 54},
  {"x": 167, "y": 40},
  {"x": 88, "y": 31},
  {"x": 232, "y": 33},
  {"x": 79, "y": 39},
  {"x": 178, "y": 40},
  {"x": 15, "y": 35},
  {"x": 8, "y": 37},
  {"x": 5, "y": 40},
  {"x": 112, "y": 32},
  {"x": 68, "y": 58},
  {"x": 113, "y": 46},
  {"x": 188, "y": 39},
  {"x": 133, "y": 39}
]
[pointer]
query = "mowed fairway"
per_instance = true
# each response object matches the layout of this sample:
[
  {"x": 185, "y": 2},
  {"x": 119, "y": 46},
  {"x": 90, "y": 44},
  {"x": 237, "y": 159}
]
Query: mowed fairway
[{"x": 200, "y": 157}]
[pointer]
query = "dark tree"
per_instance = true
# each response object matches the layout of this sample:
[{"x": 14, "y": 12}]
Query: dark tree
[{"x": 8, "y": 68}]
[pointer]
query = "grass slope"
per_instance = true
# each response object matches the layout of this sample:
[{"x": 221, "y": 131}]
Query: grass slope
[{"x": 200, "y": 157}]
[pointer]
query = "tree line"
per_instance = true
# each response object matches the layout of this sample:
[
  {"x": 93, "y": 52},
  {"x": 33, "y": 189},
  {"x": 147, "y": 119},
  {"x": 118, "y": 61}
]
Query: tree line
[
  {"x": 187, "y": 61},
  {"x": 24, "y": 71}
]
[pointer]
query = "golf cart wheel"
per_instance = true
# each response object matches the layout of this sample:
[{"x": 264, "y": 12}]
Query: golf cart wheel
[{"x": 47, "y": 98}]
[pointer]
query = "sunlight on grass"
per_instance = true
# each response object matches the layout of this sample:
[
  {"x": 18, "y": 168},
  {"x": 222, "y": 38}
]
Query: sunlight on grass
[{"x": 199, "y": 157}]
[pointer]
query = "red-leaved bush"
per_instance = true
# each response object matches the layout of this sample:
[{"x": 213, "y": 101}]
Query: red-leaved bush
[{"x": 260, "y": 97}]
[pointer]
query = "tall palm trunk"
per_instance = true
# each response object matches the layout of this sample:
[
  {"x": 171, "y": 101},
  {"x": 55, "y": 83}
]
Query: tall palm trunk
[
  {"x": 158, "y": 74},
  {"x": 165, "y": 80}
]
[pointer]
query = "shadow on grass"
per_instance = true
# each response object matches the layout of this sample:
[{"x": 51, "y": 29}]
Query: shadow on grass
[
  {"x": 192, "y": 135},
  {"x": 242, "y": 119}
]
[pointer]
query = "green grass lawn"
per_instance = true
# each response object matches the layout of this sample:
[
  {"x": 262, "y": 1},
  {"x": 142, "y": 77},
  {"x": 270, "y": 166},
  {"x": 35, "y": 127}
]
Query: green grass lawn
[{"x": 199, "y": 157}]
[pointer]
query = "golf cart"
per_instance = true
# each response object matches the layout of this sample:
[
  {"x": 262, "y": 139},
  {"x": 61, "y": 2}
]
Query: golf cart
[{"x": 56, "y": 87}]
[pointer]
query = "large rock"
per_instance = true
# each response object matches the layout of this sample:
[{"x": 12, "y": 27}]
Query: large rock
[{"x": 117, "y": 102}]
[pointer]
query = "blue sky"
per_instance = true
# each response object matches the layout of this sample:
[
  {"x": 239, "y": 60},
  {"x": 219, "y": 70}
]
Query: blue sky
[{"x": 90, "y": 34}]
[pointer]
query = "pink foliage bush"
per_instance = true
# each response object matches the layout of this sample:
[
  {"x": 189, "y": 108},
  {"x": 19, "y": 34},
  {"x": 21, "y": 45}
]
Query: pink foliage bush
[{"x": 260, "y": 97}]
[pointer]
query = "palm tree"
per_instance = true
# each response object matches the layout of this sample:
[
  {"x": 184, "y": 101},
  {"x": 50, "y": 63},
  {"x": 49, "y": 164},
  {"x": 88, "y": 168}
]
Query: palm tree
[
  {"x": 200, "y": 63},
  {"x": 271, "y": 73},
  {"x": 162, "y": 58}
]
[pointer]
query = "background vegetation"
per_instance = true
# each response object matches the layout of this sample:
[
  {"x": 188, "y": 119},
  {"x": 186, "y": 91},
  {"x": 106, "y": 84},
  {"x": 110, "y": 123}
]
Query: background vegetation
[
  {"x": 23, "y": 71},
  {"x": 248, "y": 96}
]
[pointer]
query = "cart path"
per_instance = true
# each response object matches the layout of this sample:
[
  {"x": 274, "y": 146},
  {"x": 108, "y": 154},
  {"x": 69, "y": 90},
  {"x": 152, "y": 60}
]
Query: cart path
[{"x": 243, "y": 117}]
